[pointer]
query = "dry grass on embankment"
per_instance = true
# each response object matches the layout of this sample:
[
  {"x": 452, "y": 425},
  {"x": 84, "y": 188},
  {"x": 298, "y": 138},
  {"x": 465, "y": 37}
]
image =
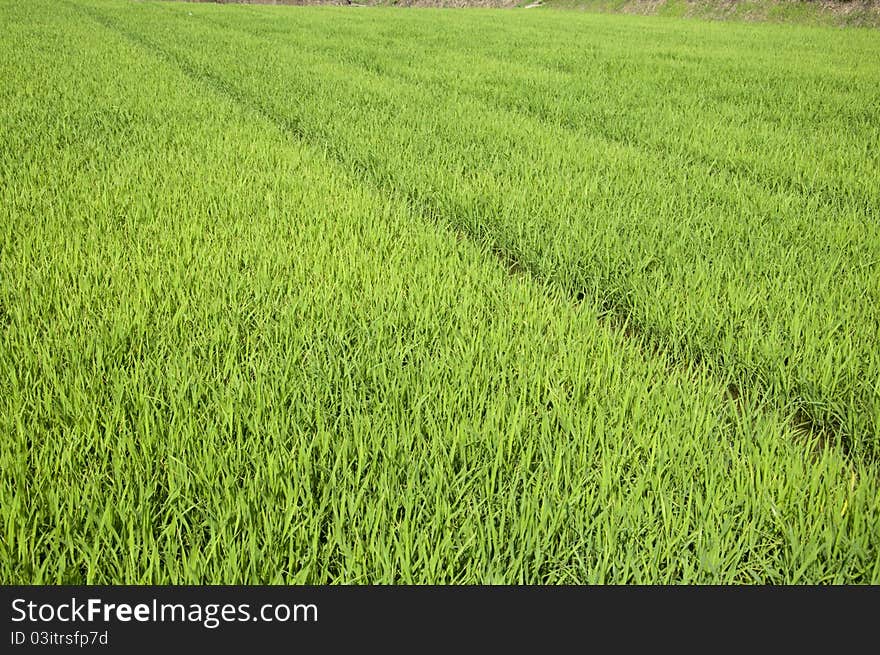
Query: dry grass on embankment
[{"x": 854, "y": 13}]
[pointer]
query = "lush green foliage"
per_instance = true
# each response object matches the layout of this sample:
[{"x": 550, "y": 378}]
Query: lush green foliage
[
  {"x": 317, "y": 295},
  {"x": 806, "y": 12}
]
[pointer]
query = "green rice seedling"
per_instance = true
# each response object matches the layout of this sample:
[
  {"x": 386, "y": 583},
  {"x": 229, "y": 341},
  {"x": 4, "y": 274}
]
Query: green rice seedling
[
  {"x": 769, "y": 275},
  {"x": 245, "y": 343}
]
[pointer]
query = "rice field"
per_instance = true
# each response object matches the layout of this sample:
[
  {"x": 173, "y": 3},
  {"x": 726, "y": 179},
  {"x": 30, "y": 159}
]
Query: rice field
[{"x": 325, "y": 295}]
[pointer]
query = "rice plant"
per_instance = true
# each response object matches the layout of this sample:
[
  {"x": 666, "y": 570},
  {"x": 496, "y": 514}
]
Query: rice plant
[{"x": 308, "y": 295}]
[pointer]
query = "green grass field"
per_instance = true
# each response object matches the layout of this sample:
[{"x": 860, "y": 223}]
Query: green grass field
[{"x": 328, "y": 295}]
